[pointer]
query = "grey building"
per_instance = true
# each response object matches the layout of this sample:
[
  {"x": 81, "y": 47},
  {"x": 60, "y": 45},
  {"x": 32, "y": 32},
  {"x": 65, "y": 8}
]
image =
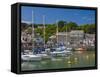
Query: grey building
[{"x": 73, "y": 38}]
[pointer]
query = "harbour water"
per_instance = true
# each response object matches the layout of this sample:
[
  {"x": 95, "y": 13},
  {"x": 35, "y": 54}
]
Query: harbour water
[{"x": 77, "y": 59}]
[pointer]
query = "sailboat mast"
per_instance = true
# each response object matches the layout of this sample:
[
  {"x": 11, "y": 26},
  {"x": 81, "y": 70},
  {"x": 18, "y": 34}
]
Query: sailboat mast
[
  {"x": 66, "y": 36},
  {"x": 44, "y": 29},
  {"x": 57, "y": 30},
  {"x": 32, "y": 29}
]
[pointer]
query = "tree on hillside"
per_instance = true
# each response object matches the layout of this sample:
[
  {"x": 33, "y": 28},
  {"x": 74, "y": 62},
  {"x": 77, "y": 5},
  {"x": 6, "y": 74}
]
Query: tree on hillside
[
  {"x": 24, "y": 26},
  {"x": 71, "y": 26},
  {"x": 61, "y": 23},
  {"x": 88, "y": 28}
]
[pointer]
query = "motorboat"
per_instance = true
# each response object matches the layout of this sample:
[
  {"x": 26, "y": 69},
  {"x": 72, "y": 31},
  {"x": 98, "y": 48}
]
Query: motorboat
[
  {"x": 80, "y": 49},
  {"x": 61, "y": 51}
]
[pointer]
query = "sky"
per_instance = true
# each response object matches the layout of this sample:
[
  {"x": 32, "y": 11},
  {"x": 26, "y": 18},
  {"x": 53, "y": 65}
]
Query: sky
[{"x": 56, "y": 14}]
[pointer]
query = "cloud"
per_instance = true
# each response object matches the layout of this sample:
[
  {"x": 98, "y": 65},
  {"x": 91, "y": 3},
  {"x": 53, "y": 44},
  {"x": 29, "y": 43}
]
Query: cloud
[{"x": 28, "y": 22}]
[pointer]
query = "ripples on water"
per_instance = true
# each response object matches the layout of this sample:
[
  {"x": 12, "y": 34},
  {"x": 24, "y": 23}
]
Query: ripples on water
[{"x": 77, "y": 59}]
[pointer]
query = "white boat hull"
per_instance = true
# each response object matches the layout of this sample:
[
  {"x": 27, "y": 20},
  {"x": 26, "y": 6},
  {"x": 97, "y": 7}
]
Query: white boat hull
[{"x": 31, "y": 58}]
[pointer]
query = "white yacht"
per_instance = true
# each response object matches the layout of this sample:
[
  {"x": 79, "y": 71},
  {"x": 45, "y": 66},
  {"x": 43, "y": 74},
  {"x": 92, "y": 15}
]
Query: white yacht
[
  {"x": 61, "y": 51},
  {"x": 31, "y": 57}
]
